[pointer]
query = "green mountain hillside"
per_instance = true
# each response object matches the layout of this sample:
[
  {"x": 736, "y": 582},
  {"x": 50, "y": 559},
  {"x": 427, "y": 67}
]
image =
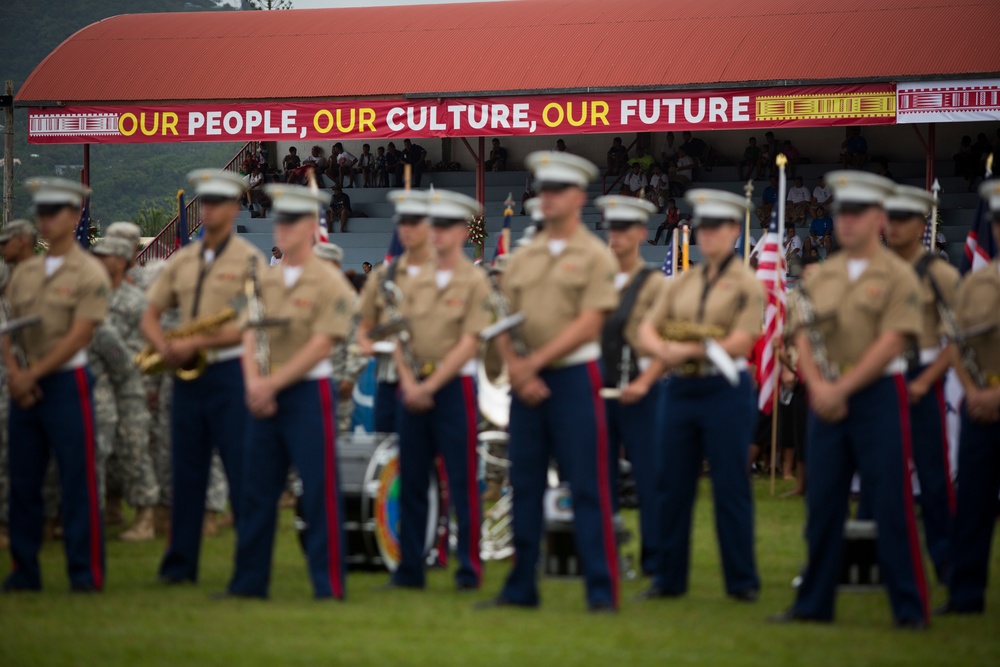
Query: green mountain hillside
[{"x": 125, "y": 179}]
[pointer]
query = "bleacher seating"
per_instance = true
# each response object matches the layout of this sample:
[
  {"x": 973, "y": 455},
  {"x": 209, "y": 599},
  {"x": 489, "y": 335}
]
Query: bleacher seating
[{"x": 367, "y": 239}]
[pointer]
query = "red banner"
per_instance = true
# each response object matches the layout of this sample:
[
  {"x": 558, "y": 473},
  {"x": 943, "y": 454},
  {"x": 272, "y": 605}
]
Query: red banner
[{"x": 750, "y": 108}]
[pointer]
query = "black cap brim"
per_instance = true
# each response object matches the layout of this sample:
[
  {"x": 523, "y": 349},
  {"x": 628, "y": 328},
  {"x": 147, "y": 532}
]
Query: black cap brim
[
  {"x": 447, "y": 222},
  {"x": 622, "y": 225}
]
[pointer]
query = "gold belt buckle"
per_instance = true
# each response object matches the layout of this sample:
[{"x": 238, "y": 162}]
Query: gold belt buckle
[
  {"x": 690, "y": 369},
  {"x": 427, "y": 368},
  {"x": 993, "y": 380},
  {"x": 846, "y": 368}
]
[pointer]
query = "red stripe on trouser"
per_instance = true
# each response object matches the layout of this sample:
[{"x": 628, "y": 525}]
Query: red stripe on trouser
[
  {"x": 330, "y": 473},
  {"x": 471, "y": 474},
  {"x": 445, "y": 504},
  {"x": 604, "y": 479},
  {"x": 945, "y": 445},
  {"x": 83, "y": 389},
  {"x": 903, "y": 395}
]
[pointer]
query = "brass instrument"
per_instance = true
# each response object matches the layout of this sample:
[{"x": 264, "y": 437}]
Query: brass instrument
[
  {"x": 690, "y": 332},
  {"x": 396, "y": 326},
  {"x": 255, "y": 311},
  {"x": 803, "y": 305},
  {"x": 967, "y": 354},
  {"x": 150, "y": 362},
  {"x": 493, "y": 395}
]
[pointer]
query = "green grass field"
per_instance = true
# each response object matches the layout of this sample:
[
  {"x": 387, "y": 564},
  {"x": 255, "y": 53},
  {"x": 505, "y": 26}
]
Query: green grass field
[{"x": 137, "y": 622}]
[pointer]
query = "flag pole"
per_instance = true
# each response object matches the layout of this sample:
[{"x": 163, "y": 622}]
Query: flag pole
[
  {"x": 935, "y": 189},
  {"x": 779, "y": 268},
  {"x": 673, "y": 252},
  {"x": 748, "y": 191},
  {"x": 685, "y": 247},
  {"x": 407, "y": 172}
]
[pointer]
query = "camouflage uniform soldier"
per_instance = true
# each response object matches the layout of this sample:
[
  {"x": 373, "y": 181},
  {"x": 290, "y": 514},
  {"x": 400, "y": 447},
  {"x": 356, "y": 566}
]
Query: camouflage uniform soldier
[{"x": 131, "y": 468}]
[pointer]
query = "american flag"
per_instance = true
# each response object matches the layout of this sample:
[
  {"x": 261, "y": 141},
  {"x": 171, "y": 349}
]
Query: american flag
[
  {"x": 668, "y": 261},
  {"x": 83, "y": 226},
  {"x": 503, "y": 240},
  {"x": 980, "y": 247},
  {"x": 395, "y": 247},
  {"x": 773, "y": 279}
]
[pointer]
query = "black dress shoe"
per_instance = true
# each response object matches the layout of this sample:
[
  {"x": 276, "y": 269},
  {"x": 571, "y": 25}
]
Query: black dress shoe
[
  {"x": 174, "y": 581},
  {"x": 218, "y": 596},
  {"x": 948, "y": 609},
  {"x": 466, "y": 586},
  {"x": 83, "y": 588},
  {"x": 395, "y": 585},
  {"x": 500, "y": 601},
  {"x": 912, "y": 624},
  {"x": 601, "y": 608},
  {"x": 654, "y": 593},
  {"x": 11, "y": 587},
  {"x": 792, "y": 616},
  {"x": 746, "y": 595}
]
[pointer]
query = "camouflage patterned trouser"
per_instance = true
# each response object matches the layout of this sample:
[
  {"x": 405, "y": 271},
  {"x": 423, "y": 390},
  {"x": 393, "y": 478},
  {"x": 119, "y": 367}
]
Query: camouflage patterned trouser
[
  {"x": 130, "y": 469},
  {"x": 218, "y": 489}
]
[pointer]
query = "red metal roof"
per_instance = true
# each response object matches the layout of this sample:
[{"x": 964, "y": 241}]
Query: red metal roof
[{"x": 519, "y": 46}]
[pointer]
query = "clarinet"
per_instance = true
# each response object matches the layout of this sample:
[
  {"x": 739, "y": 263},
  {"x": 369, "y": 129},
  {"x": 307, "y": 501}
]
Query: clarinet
[
  {"x": 255, "y": 311},
  {"x": 807, "y": 316},
  {"x": 966, "y": 352}
]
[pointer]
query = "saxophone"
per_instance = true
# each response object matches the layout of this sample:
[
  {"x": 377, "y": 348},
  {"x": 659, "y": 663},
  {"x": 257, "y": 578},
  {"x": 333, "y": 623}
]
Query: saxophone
[
  {"x": 255, "y": 312},
  {"x": 807, "y": 316},
  {"x": 150, "y": 362}
]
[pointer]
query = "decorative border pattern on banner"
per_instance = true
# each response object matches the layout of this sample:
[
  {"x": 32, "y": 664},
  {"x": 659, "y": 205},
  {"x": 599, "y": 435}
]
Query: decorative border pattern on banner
[
  {"x": 827, "y": 106},
  {"x": 948, "y": 101}
]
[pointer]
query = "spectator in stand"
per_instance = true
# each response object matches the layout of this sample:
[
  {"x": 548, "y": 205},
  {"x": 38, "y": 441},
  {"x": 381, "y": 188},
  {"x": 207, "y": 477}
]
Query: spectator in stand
[
  {"x": 768, "y": 201},
  {"x": 498, "y": 157},
  {"x": 685, "y": 171},
  {"x": 617, "y": 157},
  {"x": 263, "y": 155},
  {"x": 275, "y": 256},
  {"x": 794, "y": 157},
  {"x": 821, "y": 199},
  {"x": 668, "y": 153},
  {"x": 255, "y": 192},
  {"x": 251, "y": 161},
  {"x": 820, "y": 232},
  {"x": 798, "y": 202},
  {"x": 315, "y": 160},
  {"x": 635, "y": 182},
  {"x": 750, "y": 162},
  {"x": 980, "y": 150},
  {"x": 671, "y": 221},
  {"x": 342, "y": 166},
  {"x": 380, "y": 170},
  {"x": 529, "y": 191},
  {"x": 659, "y": 187},
  {"x": 965, "y": 165},
  {"x": 340, "y": 209},
  {"x": 644, "y": 161},
  {"x": 882, "y": 168},
  {"x": 768, "y": 152},
  {"x": 416, "y": 157},
  {"x": 365, "y": 165},
  {"x": 291, "y": 162},
  {"x": 855, "y": 146},
  {"x": 792, "y": 244},
  {"x": 699, "y": 150},
  {"x": 394, "y": 164},
  {"x": 366, "y": 267},
  {"x": 560, "y": 146}
]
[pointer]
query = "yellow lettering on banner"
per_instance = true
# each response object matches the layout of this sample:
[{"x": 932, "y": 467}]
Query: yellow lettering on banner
[
  {"x": 340, "y": 126},
  {"x": 329, "y": 121},
  {"x": 366, "y": 118},
  {"x": 583, "y": 114},
  {"x": 121, "y": 124},
  {"x": 602, "y": 114},
  {"x": 142, "y": 124},
  {"x": 169, "y": 123},
  {"x": 545, "y": 114}
]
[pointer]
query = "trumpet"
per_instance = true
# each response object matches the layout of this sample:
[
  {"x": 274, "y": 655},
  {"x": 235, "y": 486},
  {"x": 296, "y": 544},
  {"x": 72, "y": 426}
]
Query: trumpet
[
  {"x": 807, "y": 316},
  {"x": 150, "y": 362}
]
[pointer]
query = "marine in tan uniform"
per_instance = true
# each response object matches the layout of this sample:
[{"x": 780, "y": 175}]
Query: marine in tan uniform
[
  {"x": 977, "y": 309},
  {"x": 52, "y": 409},
  {"x": 413, "y": 230},
  {"x": 632, "y": 377},
  {"x": 563, "y": 283},
  {"x": 446, "y": 305},
  {"x": 208, "y": 413},
  {"x": 720, "y": 303},
  {"x": 291, "y": 398},
  {"x": 867, "y": 307},
  {"x": 908, "y": 209}
]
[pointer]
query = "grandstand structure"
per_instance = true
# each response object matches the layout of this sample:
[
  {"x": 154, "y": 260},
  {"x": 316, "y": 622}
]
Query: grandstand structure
[{"x": 732, "y": 70}]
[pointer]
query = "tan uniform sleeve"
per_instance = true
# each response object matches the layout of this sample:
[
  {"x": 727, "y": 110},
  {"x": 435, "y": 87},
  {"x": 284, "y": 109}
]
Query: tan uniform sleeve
[
  {"x": 479, "y": 314},
  {"x": 335, "y": 310},
  {"x": 599, "y": 292},
  {"x": 902, "y": 312},
  {"x": 661, "y": 305},
  {"x": 161, "y": 293},
  {"x": 94, "y": 293},
  {"x": 751, "y": 317}
]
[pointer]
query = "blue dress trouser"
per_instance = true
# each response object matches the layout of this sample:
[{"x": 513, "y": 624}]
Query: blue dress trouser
[
  {"x": 303, "y": 433},
  {"x": 61, "y": 423},
  {"x": 385, "y": 407},
  {"x": 875, "y": 440},
  {"x": 447, "y": 430},
  {"x": 207, "y": 413},
  {"x": 976, "y": 513},
  {"x": 706, "y": 417},
  {"x": 570, "y": 426},
  {"x": 636, "y": 427}
]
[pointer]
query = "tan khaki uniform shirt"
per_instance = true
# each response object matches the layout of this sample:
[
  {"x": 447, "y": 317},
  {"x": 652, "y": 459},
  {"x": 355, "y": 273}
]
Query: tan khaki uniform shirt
[
  {"x": 177, "y": 284},
  {"x": 978, "y": 305},
  {"x": 78, "y": 289},
  {"x": 372, "y": 304},
  {"x": 552, "y": 290},
  {"x": 735, "y": 302},
  {"x": 646, "y": 299},
  {"x": 947, "y": 278},
  {"x": 851, "y": 315},
  {"x": 440, "y": 317},
  {"x": 320, "y": 301}
]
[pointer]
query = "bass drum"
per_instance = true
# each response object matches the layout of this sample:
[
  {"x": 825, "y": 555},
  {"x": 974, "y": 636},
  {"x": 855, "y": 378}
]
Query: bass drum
[{"x": 380, "y": 508}]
